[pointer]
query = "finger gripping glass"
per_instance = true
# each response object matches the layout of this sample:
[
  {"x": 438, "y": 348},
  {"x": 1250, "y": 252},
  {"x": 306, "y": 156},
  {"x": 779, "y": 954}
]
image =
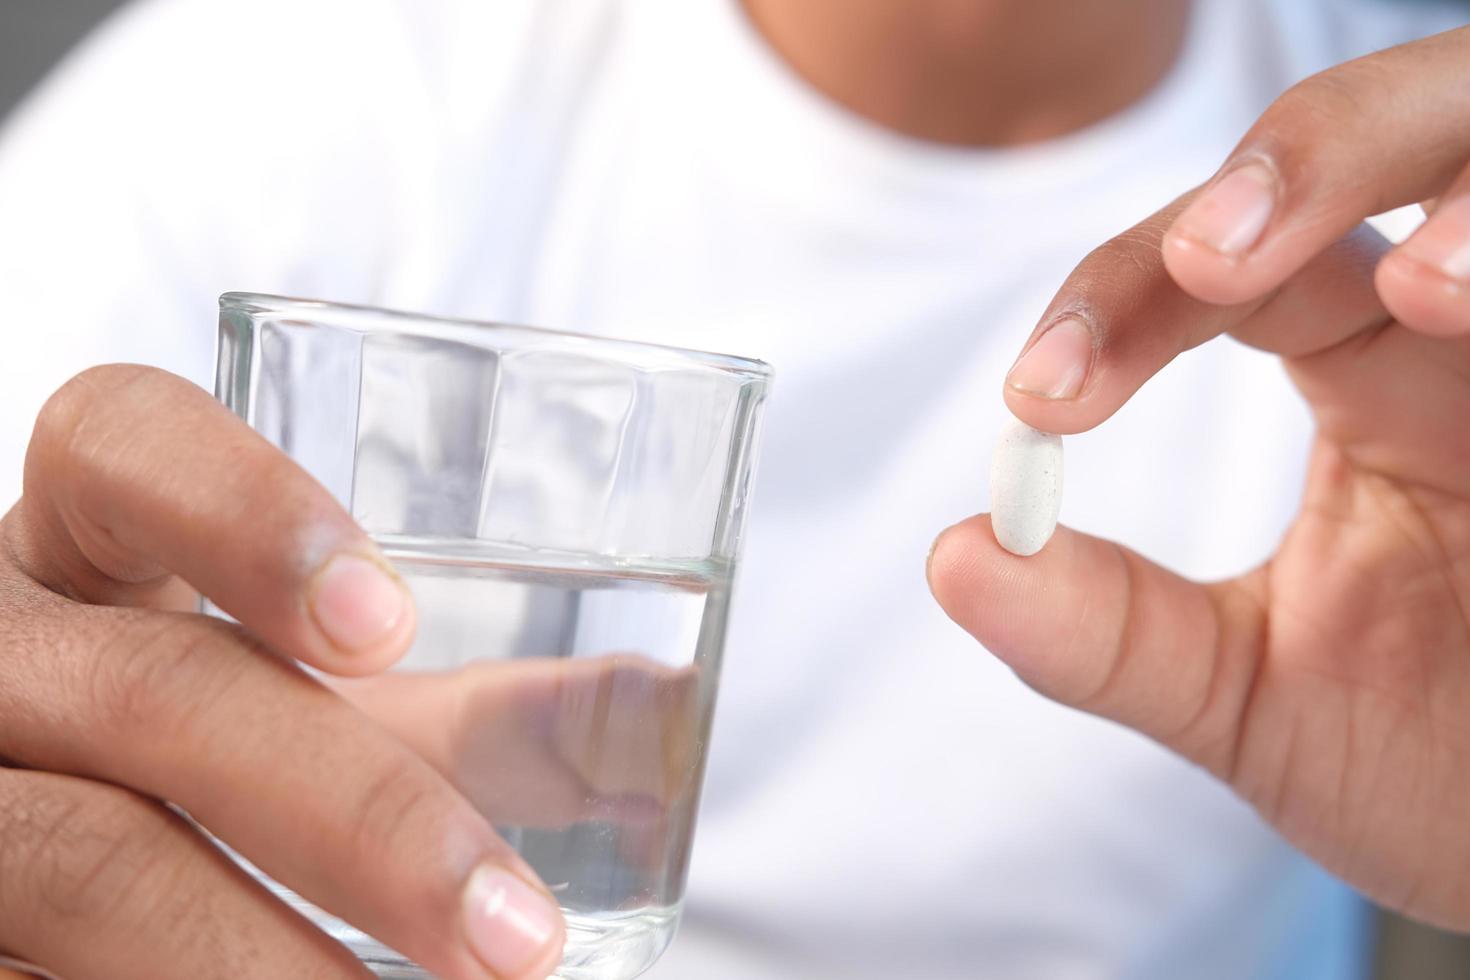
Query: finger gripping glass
[{"x": 567, "y": 512}]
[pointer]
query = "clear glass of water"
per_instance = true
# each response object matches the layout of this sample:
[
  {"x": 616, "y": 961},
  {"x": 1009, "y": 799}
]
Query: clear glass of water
[{"x": 567, "y": 512}]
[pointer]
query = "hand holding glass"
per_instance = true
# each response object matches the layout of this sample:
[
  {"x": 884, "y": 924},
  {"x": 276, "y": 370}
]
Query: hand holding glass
[{"x": 567, "y": 512}]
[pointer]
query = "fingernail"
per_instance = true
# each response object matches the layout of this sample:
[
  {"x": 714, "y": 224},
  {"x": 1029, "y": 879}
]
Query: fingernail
[
  {"x": 1056, "y": 365},
  {"x": 356, "y": 602},
  {"x": 510, "y": 925},
  {"x": 1231, "y": 214},
  {"x": 1443, "y": 242}
]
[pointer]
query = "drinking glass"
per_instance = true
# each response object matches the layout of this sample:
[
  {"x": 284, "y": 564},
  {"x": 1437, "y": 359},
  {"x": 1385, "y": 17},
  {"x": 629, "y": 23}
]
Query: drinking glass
[{"x": 567, "y": 513}]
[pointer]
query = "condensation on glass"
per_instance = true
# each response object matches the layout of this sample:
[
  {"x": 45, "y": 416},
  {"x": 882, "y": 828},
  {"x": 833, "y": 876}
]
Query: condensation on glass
[{"x": 567, "y": 512}]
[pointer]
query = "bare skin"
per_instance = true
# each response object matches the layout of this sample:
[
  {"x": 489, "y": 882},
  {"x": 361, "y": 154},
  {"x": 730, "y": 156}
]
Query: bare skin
[
  {"x": 1331, "y": 686},
  {"x": 113, "y": 697},
  {"x": 140, "y": 489},
  {"x": 978, "y": 72},
  {"x": 1327, "y": 688}
]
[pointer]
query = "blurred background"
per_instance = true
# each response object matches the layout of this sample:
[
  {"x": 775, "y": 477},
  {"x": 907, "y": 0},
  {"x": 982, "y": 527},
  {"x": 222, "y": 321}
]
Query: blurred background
[{"x": 35, "y": 34}]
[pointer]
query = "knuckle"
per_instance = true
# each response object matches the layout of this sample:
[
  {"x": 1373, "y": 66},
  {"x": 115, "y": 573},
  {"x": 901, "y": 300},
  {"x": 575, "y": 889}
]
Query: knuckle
[
  {"x": 103, "y": 861},
  {"x": 1124, "y": 275},
  {"x": 162, "y": 675},
  {"x": 66, "y": 412},
  {"x": 1310, "y": 106},
  {"x": 77, "y": 424},
  {"x": 1137, "y": 250},
  {"x": 397, "y": 811},
  {"x": 79, "y": 855},
  {"x": 1320, "y": 111},
  {"x": 108, "y": 380},
  {"x": 1135, "y": 256}
]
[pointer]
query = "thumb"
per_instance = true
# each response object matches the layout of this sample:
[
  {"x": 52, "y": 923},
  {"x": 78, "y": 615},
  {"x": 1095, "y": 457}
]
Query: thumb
[{"x": 1097, "y": 627}]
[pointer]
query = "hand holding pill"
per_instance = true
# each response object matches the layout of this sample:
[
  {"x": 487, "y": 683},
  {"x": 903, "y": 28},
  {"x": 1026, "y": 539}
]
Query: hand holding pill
[{"x": 1330, "y": 687}]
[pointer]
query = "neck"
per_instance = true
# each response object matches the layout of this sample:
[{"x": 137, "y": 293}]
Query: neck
[{"x": 978, "y": 72}]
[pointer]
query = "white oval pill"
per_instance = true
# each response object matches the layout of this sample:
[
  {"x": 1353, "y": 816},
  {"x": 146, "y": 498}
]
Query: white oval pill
[{"x": 1025, "y": 487}]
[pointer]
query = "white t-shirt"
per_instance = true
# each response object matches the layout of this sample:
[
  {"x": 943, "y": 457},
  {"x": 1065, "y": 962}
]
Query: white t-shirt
[{"x": 884, "y": 799}]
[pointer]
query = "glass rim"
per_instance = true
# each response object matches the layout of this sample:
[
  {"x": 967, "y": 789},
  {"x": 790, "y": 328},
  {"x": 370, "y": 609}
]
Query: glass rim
[{"x": 509, "y": 336}]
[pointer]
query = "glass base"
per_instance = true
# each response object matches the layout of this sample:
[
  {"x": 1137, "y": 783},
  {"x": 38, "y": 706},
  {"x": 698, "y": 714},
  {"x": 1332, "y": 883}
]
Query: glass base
[{"x": 612, "y": 946}]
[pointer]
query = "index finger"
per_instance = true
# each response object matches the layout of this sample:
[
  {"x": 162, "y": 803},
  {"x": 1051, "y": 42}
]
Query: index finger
[
  {"x": 1120, "y": 317},
  {"x": 134, "y": 475}
]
